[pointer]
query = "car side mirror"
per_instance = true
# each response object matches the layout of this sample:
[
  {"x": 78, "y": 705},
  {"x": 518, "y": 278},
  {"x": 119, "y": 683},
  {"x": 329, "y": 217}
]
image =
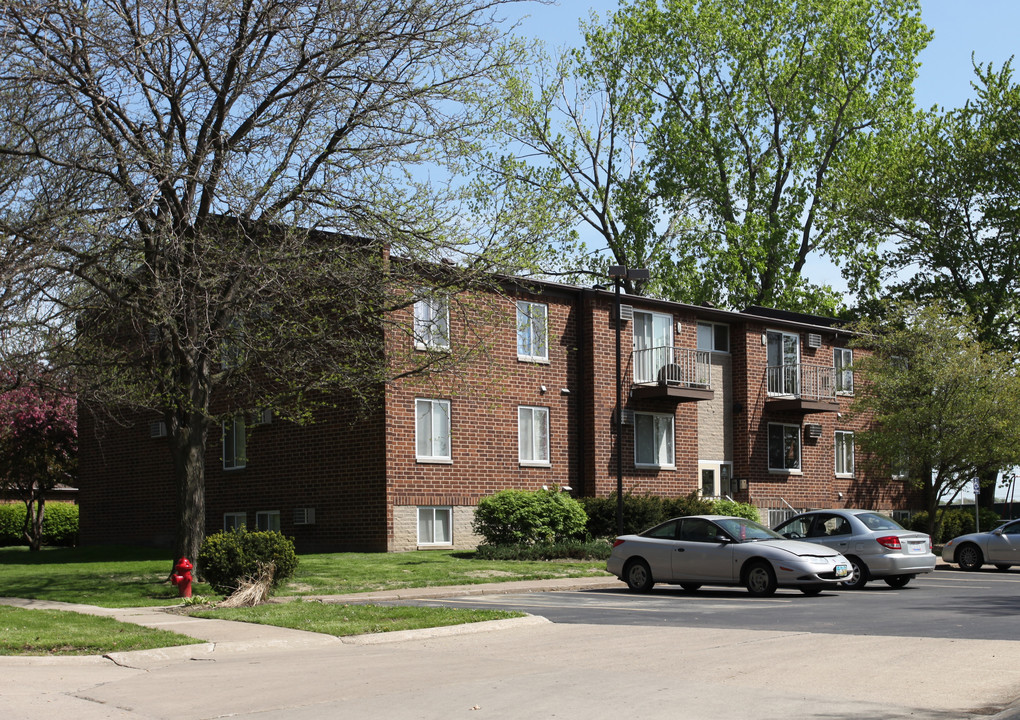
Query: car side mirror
[{"x": 997, "y": 531}]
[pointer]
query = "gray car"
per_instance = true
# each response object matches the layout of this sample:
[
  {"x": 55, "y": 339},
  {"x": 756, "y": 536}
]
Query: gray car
[
  {"x": 701, "y": 550},
  {"x": 999, "y": 547},
  {"x": 876, "y": 546}
]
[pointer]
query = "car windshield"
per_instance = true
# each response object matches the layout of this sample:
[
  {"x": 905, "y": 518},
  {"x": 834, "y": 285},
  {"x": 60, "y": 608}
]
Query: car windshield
[
  {"x": 874, "y": 521},
  {"x": 745, "y": 530}
]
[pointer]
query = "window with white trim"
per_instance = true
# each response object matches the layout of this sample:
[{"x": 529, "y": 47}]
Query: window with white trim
[
  {"x": 533, "y": 435},
  {"x": 432, "y": 430},
  {"x": 714, "y": 337},
  {"x": 784, "y": 447},
  {"x": 432, "y": 323},
  {"x": 653, "y": 440},
  {"x": 842, "y": 361},
  {"x": 234, "y": 521},
  {"x": 435, "y": 526},
  {"x": 844, "y": 453},
  {"x": 234, "y": 443},
  {"x": 267, "y": 520},
  {"x": 532, "y": 331}
]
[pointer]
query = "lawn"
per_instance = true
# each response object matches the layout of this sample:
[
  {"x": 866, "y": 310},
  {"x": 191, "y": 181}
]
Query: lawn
[{"x": 133, "y": 577}]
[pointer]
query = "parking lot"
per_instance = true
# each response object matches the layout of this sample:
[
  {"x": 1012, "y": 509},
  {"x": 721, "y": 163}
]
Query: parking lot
[{"x": 947, "y": 603}]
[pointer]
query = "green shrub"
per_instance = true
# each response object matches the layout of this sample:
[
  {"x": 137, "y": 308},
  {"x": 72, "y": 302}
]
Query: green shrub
[
  {"x": 640, "y": 512},
  {"x": 954, "y": 523},
  {"x": 569, "y": 549},
  {"x": 743, "y": 510},
  {"x": 227, "y": 558},
  {"x": 522, "y": 517},
  {"x": 60, "y": 524},
  {"x": 692, "y": 504}
]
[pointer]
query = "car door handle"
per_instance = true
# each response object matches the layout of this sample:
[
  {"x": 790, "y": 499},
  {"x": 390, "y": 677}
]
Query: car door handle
[{"x": 680, "y": 549}]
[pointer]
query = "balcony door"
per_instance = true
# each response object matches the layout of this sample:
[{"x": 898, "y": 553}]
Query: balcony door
[
  {"x": 653, "y": 345},
  {"x": 784, "y": 363}
]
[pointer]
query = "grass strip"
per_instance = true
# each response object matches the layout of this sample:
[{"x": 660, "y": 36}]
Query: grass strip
[
  {"x": 58, "y": 632},
  {"x": 341, "y": 620}
]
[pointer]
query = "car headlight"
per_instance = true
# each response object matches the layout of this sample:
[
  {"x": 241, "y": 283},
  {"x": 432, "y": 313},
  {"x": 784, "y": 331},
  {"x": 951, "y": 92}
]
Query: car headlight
[{"x": 815, "y": 560}]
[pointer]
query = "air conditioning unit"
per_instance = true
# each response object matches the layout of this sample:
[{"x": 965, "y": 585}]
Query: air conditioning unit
[
  {"x": 814, "y": 340},
  {"x": 627, "y": 417},
  {"x": 304, "y": 516},
  {"x": 813, "y": 430},
  {"x": 670, "y": 374},
  {"x": 157, "y": 429},
  {"x": 626, "y": 312}
]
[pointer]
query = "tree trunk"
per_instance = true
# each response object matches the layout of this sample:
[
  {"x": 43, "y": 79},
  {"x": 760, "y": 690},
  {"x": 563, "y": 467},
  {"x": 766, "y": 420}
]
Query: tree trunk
[
  {"x": 986, "y": 498},
  {"x": 35, "y": 508},
  {"x": 188, "y": 443}
]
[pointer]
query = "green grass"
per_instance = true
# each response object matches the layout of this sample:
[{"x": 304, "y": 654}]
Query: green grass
[
  {"x": 343, "y": 620},
  {"x": 133, "y": 577},
  {"x": 54, "y": 632}
]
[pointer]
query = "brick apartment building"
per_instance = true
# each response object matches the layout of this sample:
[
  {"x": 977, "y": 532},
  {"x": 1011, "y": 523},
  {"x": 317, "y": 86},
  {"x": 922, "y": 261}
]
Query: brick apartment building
[{"x": 751, "y": 405}]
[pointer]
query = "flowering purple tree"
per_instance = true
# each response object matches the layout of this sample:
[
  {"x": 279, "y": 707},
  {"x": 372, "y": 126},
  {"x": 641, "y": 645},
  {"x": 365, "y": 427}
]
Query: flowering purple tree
[{"x": 38, "y": 448}]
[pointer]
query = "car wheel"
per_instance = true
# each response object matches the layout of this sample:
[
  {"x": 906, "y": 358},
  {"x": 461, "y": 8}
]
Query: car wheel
[
  {"x": 897, "y": 581},
  {"x": 638, "y": 575},
  {"x": 760, "y": 581},
  {"x": 811, "y": 590},
  {"x": 690, "y": 587},
  {"x": 859, "y": 574},
  {"x": 1003, "y": 568},
  {"x": 969, "y": 557}
]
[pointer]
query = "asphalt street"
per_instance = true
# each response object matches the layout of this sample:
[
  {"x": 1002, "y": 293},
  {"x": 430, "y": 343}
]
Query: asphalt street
[{"x": 535, "y": 668}]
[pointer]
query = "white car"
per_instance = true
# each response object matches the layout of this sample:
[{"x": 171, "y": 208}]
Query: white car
[
  {"x": 999, "y": 547},
  {"x": 720, "y": 550}
]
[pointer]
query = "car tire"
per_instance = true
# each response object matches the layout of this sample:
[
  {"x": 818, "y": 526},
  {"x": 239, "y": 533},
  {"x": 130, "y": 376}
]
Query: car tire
[
  {"x": 859, "y": 574},
  {"x": 897, "y": 581},
  {"x": 690, "y": 587},
  {"x": 969, "y": 557},
  {"x": 1002, "y": 568},
  {"x": 638, "y": 575},
  {"x": 760, "y": 580},
  {"x": 811, "y": 590}
]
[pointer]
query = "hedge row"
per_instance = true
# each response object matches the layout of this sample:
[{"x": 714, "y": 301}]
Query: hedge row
[
  {"x": 60, "y": 524},
  {"x": 954, "y": 523}
]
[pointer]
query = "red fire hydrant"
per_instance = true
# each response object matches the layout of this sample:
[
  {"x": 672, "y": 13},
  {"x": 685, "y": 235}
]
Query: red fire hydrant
[{"x": 181, "y": 577}]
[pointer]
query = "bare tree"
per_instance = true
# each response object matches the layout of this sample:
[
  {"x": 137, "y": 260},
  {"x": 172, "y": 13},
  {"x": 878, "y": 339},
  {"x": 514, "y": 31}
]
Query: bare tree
[{"x": 159, "y": 159}]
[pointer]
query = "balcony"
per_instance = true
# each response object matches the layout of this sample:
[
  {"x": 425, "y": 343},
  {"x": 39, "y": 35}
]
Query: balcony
[
  {"x": 802, "y": 388},
  {"x": 671, "y": 372}
]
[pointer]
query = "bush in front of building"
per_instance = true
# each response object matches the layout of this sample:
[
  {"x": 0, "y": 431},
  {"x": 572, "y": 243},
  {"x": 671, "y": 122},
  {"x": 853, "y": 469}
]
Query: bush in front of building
[
  {"x": 640, "y": 512},
  {"x": 742, "y": 510},
  {"x": 60, "y": 524},
  {"x": 228, "y": 558},
  {"x": 954, "y": 523},
  {"x": 525, "y": 517},
  {"x": 565, "y": 550}
]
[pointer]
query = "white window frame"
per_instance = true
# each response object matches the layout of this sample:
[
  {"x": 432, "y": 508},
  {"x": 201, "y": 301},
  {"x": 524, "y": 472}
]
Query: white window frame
[
  {"x": 712, "y": 329},
  {"x": 784, "y": 378},
  {"x": 842, "y": 362},
  {"x": 843, "y": 451},
  {"x": 428, "y": 514},
  {"x": 267, "y": 521},
  {"x": 532, "y": 331},
  {"x": 428, "y": 445},
  {"x": 230, "y": 520},
  {"x": 651, "y": 353},
  {"x": 531, "y": 450},
  {"x": 235, "y": 443},
  {"x": 432, "y": 322},
  {"x": 787, "y": 431},
  {"x": 663, "y": 440}
]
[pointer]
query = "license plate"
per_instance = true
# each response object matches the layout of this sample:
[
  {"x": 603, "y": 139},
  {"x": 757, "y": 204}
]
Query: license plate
[
  {"x": 916, "y": 548},
  {"x": 842, "y": 571}
]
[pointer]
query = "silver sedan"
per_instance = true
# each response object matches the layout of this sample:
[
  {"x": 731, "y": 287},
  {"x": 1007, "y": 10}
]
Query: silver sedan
[
  {"x": 876, "y": 546},
  {"x": 999, "y": 547},
  {"x": 720, "y": 550}
]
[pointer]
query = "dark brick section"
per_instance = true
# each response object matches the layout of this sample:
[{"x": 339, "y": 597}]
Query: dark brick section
[{"x": 360, "y": 475}]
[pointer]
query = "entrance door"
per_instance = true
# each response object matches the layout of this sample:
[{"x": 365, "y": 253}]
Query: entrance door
[
  {"x": 784, "y": 363},
  {"x": 653, "y": 345},
  {"x": 717, "y": 479}
]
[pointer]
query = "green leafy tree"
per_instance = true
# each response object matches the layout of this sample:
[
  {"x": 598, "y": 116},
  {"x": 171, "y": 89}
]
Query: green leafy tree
[
  {"x": 160, "y": 163},
  {"x": 708, "y": 138},
  {"x": 944, "y": 409}
]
